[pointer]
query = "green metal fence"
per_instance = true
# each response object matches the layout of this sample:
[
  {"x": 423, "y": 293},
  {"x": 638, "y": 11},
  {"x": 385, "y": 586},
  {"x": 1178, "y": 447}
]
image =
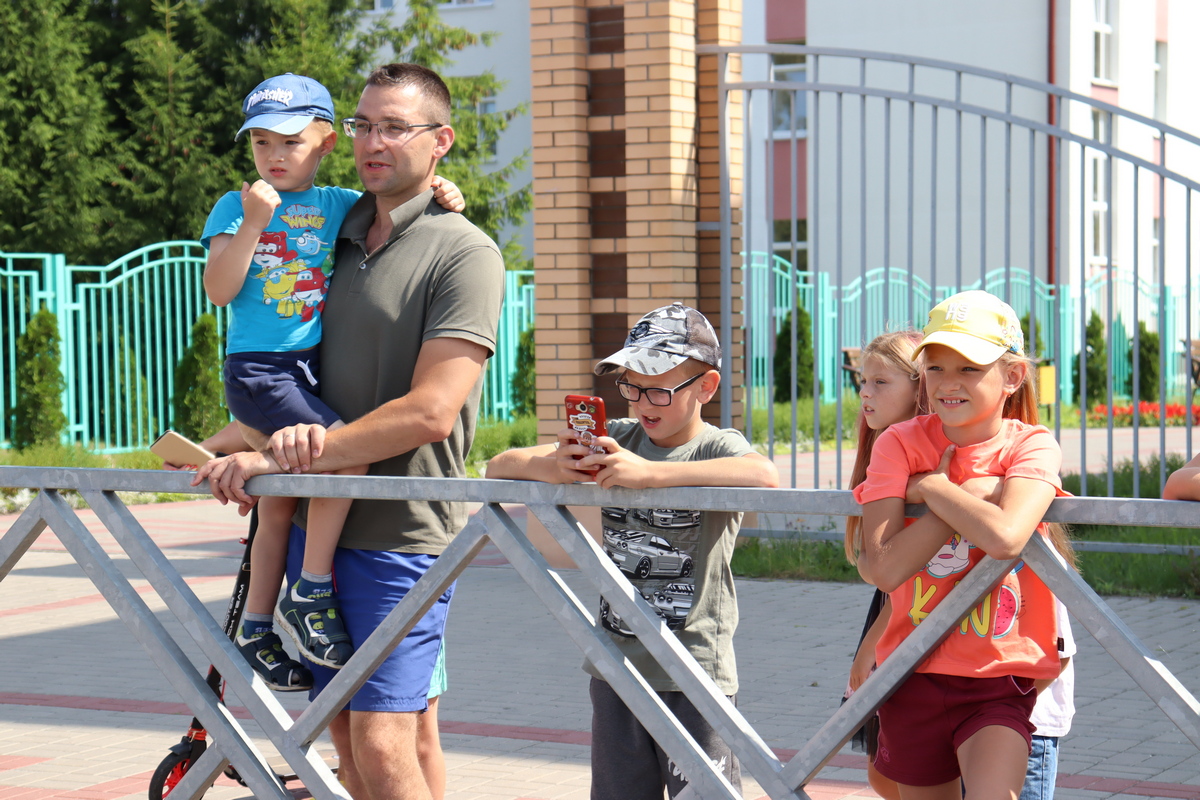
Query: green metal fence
[
  {"x": 124, "y": 327},
  {"x": 891, "y": 299}
]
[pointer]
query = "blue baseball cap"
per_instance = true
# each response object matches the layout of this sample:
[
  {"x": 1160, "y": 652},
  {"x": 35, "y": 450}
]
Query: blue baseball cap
[{"x": 286, "y": 104}]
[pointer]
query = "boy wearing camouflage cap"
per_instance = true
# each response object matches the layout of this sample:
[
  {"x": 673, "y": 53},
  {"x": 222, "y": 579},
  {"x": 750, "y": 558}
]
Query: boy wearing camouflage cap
[{"x": 677, "y": 559}]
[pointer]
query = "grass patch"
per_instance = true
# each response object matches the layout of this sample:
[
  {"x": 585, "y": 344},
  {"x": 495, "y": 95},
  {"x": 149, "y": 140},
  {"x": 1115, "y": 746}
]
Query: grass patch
[
  {"x": 1135, "y": 573},
  {"x": 789, "y": 558},
  {"x": 1107, "y": 573},
  {"x": 77, "y": 457},
  {"x": 804, "y": 418}
]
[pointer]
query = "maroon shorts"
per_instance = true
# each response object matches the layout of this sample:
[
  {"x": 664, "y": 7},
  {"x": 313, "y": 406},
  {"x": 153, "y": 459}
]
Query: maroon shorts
[{"x": 924, "y": 723}]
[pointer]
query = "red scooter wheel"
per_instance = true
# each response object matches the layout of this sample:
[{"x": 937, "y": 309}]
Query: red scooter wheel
[{"x": 169, "y": 773}]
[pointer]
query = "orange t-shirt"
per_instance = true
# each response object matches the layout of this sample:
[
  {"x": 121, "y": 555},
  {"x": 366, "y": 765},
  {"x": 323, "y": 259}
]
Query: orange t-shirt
[{"x": 1012, "y": 631}]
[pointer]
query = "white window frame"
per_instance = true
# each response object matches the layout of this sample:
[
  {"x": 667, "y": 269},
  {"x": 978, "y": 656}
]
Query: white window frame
[
  {"x": 1104, "y": 52},
  {"x": 1160, "y": 81},
  {"x": 1095, "y": 201},
  {"x": 795, "y": 72}
]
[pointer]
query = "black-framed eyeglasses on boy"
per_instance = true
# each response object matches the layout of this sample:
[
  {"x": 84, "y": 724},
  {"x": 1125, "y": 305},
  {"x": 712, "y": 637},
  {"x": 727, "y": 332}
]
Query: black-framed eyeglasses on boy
[{"x": 656, "y": 395}]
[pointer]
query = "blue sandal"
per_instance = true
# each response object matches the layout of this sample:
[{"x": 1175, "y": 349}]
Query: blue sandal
[
  {"x": 272, "y": 663},
  {"x": 316, "y": 627}
]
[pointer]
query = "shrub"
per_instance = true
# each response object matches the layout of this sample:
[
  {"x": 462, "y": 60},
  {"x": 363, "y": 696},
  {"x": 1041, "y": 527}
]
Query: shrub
[
  {"x": 37, "y": 415},
  {"x": 199, "y": 402},
  {"x": 1097, "y": 362},
  {"x": 1148, "y": 344},
  {"x": 804, "y": 358},
  {"x": 493, "y": 436}
]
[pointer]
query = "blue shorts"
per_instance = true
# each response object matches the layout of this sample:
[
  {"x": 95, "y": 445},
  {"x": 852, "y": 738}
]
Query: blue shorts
[
  {"x": 269, "y": 391},
  {"x": 369, "y": 584}
]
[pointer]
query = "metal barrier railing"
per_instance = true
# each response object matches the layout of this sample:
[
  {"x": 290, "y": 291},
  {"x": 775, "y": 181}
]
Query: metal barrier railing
[{"x": 231, "y": 745}]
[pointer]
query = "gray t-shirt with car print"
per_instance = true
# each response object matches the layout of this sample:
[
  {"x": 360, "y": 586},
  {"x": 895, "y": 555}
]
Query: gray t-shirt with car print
[{"x": 678, "y": 559}]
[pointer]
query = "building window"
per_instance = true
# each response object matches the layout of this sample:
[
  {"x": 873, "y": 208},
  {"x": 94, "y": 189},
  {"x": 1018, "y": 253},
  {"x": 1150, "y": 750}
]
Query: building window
[
  {"x": 1098, "y": 192},
  {"x": 783, "y": 244},
  {"x": 1160, "y": 81},
  {"x": 1103, "y": 53},
  {"x": 1155, "y": 240},
  {"x": 790, "y": 107}
]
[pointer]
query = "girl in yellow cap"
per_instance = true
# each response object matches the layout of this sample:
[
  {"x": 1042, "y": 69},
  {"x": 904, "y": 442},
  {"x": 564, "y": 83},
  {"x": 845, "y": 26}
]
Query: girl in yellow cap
[{"x": 964, "y": 713}]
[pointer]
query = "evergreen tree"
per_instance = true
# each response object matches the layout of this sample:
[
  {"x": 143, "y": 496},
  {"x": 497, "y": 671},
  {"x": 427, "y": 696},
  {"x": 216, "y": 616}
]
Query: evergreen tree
[
  {"x": 1097, "y": 363},
  {"x": 37, "y": 416},
  {"x": 171, "y": 172},
  {"x": 424, "y": 38},
  {"x": 1033, "y": 344},
  {"x": 1148, "y": 344},
  {"x": 58, "y": 168},
  {"x": 199, "y": 402},
  {"x": 524, "y": 379},
  {"x": 804, "y": 357}
]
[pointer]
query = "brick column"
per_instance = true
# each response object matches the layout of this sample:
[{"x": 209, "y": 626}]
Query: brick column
[
  {"x": 558, "y": 45},
  {"x": 621, "y": 179}
]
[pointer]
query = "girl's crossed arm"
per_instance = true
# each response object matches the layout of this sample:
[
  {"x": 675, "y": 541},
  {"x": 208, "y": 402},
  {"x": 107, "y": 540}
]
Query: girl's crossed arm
[{"x": 1000, "y": 530}]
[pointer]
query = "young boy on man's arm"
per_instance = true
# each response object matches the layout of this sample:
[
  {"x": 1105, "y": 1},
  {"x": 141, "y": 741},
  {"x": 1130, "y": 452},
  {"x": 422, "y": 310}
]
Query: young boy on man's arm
[{"x": 677, "y": 559}]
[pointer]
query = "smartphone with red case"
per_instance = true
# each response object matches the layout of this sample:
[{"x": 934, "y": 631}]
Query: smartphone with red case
[{"x": 585, "y": 416}]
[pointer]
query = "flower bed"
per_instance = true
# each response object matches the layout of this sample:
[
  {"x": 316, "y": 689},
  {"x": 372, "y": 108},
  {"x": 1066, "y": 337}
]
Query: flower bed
[{"x": 1147, "y": 414}]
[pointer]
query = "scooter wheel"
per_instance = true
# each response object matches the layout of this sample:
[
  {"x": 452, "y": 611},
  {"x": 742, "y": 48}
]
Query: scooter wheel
[{"x": 169, "y": 773}]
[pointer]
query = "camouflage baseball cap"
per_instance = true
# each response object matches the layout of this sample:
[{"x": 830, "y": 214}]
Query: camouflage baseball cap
[{"x": 664, "y": 339}]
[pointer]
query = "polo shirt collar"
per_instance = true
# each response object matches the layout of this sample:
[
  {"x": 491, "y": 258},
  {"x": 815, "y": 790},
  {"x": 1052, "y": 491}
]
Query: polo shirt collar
[{"x": 362, "y": 215}]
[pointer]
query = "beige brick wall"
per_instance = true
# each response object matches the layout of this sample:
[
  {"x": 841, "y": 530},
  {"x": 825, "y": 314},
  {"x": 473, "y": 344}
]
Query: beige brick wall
[{"x": 670, "y": 180}]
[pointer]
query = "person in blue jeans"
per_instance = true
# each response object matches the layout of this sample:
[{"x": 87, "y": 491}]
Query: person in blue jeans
[{"x": 1052, "y": 715}]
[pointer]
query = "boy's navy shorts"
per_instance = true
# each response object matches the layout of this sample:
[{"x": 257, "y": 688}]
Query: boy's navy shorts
[
  {"x": 269, "y": 391},
  {"x": 368, "y": 585}
]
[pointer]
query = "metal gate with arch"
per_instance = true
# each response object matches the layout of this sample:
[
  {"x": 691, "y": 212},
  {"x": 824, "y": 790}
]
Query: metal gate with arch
[{"x": 923, "y": 177}]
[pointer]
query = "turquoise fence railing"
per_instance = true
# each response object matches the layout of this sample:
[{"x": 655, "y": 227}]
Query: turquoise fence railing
[
  {"x": 889, "y": 299},
  {"x": 124, "y": 327},
  {"x": 26, "y": 281},
  {"x": 516, "y": 318}
]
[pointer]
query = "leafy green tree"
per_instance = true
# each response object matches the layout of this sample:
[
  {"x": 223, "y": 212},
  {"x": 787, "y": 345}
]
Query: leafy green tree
[
  {"x": 424, "y": 38},
  {"x": 58, "y": 164},
  {"x": 1097, "y": 363},
  {"x": 37, "y": 416},
  {"x": 118, "y": 116},
  {"x": 199, "y": 401},
  {"x": 804, "y": 357}
]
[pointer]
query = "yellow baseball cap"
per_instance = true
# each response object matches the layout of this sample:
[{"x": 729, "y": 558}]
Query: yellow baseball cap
[{"x": 979, "y": 326}]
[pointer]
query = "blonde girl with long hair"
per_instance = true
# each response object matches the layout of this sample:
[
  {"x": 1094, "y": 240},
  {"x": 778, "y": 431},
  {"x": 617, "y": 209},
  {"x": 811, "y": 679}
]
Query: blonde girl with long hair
[{"x": 891, "y": 391}]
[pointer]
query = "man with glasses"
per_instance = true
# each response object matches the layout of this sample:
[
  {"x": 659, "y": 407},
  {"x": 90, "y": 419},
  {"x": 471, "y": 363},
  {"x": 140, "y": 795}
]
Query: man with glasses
[
  {"x": 411, "y": 318},
  {"x": 678, "y": 560}
]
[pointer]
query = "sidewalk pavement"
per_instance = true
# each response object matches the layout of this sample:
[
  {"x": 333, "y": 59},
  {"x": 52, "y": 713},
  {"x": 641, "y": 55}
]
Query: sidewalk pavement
[{"x": 84, "y": 714}]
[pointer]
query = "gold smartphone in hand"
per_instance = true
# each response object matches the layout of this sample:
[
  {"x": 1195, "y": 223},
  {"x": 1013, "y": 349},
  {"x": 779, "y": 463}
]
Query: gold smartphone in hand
[{"x": 179, "y": 451}]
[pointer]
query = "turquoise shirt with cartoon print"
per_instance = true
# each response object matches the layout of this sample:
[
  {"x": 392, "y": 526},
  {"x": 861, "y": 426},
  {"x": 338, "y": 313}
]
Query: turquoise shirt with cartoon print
[{"x": 278, "y": 309}]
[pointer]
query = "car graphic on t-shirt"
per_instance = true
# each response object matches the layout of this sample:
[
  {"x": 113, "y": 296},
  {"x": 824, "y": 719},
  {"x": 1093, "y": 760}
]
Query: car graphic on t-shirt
[
  {"x": 667, "y": 517},
  {"x": 645, "y": 555},
  {"x": 672, "y": 602}
]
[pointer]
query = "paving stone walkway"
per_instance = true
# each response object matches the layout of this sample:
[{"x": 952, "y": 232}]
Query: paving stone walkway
[{"x": 85, "y": 715}]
